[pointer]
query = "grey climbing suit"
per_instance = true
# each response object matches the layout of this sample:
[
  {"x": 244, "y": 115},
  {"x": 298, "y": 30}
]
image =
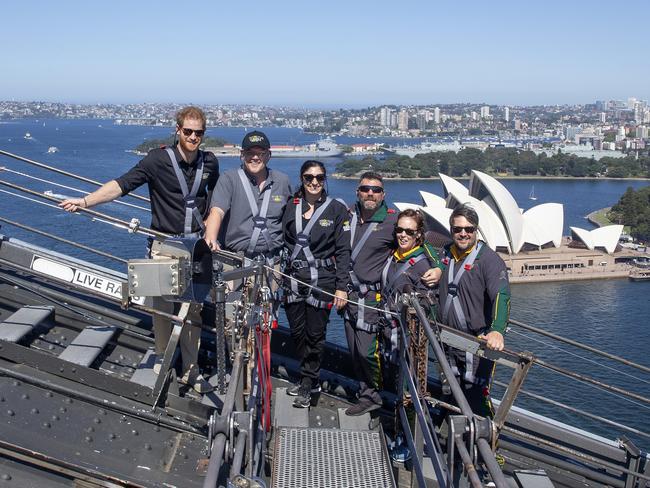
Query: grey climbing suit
[{"x": 259, "y": 214}]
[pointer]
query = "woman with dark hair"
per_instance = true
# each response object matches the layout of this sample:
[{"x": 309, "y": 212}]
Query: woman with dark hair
[{"x": 317, "y": 257}]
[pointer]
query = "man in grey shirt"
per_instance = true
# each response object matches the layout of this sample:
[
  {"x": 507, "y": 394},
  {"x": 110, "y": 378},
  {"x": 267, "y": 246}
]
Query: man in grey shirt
[{"x": 248, "y": 203}]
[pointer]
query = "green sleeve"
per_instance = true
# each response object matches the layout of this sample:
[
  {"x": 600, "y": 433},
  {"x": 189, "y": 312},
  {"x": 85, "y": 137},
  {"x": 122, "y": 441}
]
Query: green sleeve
[{"x": 433, "y": 256}]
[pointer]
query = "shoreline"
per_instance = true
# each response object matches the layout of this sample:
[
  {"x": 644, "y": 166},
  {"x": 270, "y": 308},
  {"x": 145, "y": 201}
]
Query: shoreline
[{"x": 435, "y": 178}]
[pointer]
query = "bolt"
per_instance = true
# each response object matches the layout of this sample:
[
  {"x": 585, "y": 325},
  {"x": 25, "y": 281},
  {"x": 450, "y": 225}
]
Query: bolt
[
  {"x": 131, "y": 267},
  {"x": 111, "y": 436},
  {"x": 11, "y": 413},
  {"x": 156, "y": 429},
  {"x": 34, "y": 411},
  {"x": 135, "y": 432},
  {"x": 88, "y": 438},
  {"x": 63, "y": 410},
  {"x": 147, "y": 446},
  {"x": 97, "y": 420},
  {"x": 125, "y": 450},
  {"x": 46, "y": 425},
  {"x": 50, "y": 347},
  {"x": 6, "y": 477},
  {"x": 90, "y": 429},
  {"x": 49, "y": 394},
  {"x": 55, "y": 417},
  {"x": 24, "y": 396},
  {"x": 68, "y": 400},
  {"x": 16, "y": 383},
  {"x": 101, "y": 411},
  {"x": 74, "y": 370}
]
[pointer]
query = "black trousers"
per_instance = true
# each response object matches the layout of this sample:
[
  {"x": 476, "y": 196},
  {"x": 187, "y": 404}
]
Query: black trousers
[{"x": 308, "y": 326}]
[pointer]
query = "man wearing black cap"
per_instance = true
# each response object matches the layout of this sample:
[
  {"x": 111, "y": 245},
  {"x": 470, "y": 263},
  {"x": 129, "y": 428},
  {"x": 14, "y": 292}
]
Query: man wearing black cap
[{"x": 248, "y": 203}]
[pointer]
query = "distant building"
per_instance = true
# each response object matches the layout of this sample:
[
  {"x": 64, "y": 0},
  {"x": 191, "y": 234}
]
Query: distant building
[
  {"x": 473, "y": 116},
  {"x": 403, "y": 120},
  {"x": 421, "y": 121},
  {"x": 603, "y": 117},
  {"x": 485, "y": 112},
  {"x": 517, "y": 124},
  {"x": 436, "y": 115},
  {"x": 642, "y": 132},
  {"x": 506, "y": 114},
  {"x": 384, "y": 116}
]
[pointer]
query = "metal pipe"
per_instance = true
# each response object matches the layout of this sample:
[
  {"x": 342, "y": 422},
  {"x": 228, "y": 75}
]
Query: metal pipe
[
  {"x": 587, "y": 379},
  {"x": 571, "y": 467},
  {"x": 474, "y": 479},
  {"x": 156, "y": 418},
  {"x": 578, "y": 411},
  {"x": 577, "y": 454},
  {"x": 484, "y": 448},
  {"x": 61, "y": 239},
  {"x": 62, "y": 172},
  {"x": 580, "y": 345},
  {"x": 141, "y": 230},
  {"x": 219, "y": 443},
  {"x": 238, "y": 458}
]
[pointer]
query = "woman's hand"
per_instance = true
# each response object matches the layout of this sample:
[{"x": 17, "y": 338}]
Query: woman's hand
[{"x": 431, "y": 277}]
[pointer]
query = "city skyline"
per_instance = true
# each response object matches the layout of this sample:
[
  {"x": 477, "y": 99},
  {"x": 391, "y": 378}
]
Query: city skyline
[{"x": 349, "y": 55}]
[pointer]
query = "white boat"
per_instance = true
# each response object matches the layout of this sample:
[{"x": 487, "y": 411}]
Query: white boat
[
  {"x": 27, "y": 136},
  {"x": 52, "y": 149},
  {"x": 532, "y": 194}
]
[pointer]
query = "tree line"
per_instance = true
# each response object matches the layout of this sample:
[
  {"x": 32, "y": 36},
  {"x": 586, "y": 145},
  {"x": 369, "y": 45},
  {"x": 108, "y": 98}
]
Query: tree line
[
  {"x": 633, "y": 210},
  {"x": 498, "y": 161}
]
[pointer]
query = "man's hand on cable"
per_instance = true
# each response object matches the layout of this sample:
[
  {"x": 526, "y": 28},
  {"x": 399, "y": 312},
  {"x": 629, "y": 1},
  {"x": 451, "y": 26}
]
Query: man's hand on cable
[
  {"x": 431, "y": 276},
  {"x": 72, "y": 204},
  {"x": 213, "y": 245},
  {"x": 494, "y": 340},
  {"x": 340, "y": 299}
]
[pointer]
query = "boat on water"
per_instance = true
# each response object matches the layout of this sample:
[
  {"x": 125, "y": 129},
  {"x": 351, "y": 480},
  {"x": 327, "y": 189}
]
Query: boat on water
[
  {"x": 52, "y": 149},
  {"x": 81, "y": 404},
  {"x": 640, "y": 274},
  {"x": 426, "y": 147},
  {"x": 532, "y": 196},
  {"x": 325, "y": 148},
  {"x": 27, "y": 136}
]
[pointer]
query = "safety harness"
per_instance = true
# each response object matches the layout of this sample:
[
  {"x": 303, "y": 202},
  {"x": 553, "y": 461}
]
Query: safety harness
[
  {"x": 259, "y": 214},
  {"x": 303, "y": 241},
  {"x": 361, "y": 288},
  {"x": 191, "y": 210},
  {"x": 454, "y": 300}
]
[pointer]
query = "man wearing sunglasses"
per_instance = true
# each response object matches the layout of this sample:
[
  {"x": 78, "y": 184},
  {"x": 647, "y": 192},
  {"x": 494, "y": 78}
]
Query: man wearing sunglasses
[
  {"x": 180, "y": 179},
  {"x": 475, "y": 299},
  {"x": 372, "y": 236}
]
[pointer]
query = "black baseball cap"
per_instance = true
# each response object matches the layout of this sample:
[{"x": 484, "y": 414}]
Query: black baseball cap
[{"x": 255, "y": 139}]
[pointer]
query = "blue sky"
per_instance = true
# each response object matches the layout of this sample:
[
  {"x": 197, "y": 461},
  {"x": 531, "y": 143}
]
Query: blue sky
[{"x": 325, "y": 54}]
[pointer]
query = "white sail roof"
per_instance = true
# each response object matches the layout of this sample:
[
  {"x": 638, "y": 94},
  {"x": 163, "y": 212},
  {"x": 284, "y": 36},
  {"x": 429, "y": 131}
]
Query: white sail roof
[{"x": 604, "y": 237}]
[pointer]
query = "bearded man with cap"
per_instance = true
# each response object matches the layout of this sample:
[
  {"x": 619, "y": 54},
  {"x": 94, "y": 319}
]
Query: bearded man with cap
[{"x": 248, "y": 203}]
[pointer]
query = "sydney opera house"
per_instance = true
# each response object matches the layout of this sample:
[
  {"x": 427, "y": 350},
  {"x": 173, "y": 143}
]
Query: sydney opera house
[{"x": 530, "y": 241}]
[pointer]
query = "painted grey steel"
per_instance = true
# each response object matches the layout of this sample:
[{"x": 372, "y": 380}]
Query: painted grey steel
[
  {"x": 156, "y": 277},
  {"x": 145, "y": 374},
  {"x": 55, "y": 429},
  {"x": 532, "y": 479},
  {"x": 168, "y": 357},
  {"x": 347, "y": 422},
  {"x": 285, "y": 415},
  {"x": 23, "y": 321},
  {"x": 329, "y": 458},
  {"x": 483, "y": 446},
  {"x": 85, "y": 348}
]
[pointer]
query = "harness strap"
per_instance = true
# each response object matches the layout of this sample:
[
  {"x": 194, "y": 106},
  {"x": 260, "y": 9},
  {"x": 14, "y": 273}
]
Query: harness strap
[
  {"x": 452, "y": 287},
  {"x": 189, "y": 196},
  {"x": 259, "y": 214},
  {"x": 303, "y": 241},
  {"x": 388, "y": 282}
]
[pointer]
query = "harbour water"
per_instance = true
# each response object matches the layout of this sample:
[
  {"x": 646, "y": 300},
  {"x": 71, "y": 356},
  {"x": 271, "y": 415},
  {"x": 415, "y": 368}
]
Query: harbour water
[{"x": 608, "y": 314}]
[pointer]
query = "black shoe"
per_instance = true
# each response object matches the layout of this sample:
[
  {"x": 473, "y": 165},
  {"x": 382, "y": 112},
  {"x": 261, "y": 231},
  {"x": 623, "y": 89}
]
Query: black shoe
[
  {"x": 303, "y": 399},
  {"x": 294, "y": 390},
  {"x": 364, "y": 405}
]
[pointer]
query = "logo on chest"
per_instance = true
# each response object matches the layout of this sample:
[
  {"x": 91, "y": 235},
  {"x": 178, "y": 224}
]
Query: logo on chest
[
  {"x": 276, "y": 198},
  {"x": 325, "y": 222}
]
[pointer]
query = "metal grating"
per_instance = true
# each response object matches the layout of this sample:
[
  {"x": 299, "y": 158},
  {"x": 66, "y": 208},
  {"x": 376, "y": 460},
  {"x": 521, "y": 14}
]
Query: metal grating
[{"x": 328, "y": 458}]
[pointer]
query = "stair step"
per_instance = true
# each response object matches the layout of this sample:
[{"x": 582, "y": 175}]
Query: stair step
[
  {"x": 23, "y": 321},
  {"x": 85, "y": 348}
]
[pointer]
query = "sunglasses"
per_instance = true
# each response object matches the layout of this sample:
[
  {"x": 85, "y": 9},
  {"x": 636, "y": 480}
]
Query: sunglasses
[
  {"x": 249, "y": 153},
  {"x": 309, "y": 178},
  {"x": 370, "y": 188},
  {"x": 408, "y": 232},
  {"x": 457, "y": 229},
  {"x": 188, "y": 132}
]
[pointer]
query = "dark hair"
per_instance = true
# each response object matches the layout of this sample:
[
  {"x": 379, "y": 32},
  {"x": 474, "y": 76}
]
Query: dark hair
[
  {"x": 194, "y": 113},
  {"x": 464, "y": 210},
  {"x": 310, "y": 163},
  {"x": 371, "y": 175},
  {"x": 419, "y": 220}
]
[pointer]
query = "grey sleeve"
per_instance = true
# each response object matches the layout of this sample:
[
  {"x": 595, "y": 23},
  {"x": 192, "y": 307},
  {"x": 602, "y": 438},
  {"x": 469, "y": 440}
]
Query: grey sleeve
[{"x": 223, "y": 192}]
